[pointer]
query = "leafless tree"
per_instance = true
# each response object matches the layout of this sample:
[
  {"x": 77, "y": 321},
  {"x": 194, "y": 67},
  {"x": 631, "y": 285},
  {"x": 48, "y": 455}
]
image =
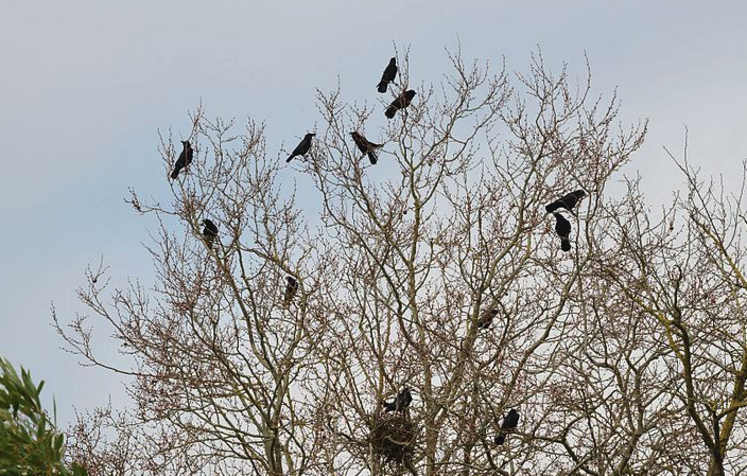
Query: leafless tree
[{"x": 436, "y": 269}]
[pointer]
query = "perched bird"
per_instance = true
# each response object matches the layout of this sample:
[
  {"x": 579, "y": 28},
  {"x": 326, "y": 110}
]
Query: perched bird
[
  {"x": 291, "y": 287},
  {"x": 402, "y": 101},
  {"x": 400, "y": 402},
  {"x": 185, "y": 158},
  {"x": 209, "y": 232},
  {"x": 486, "y": 318},
  {"x": 568, "y": 201},
  {"x": 563, "y": 229},
  {"x": 510, "y": 422},
  {"x": 302, "y": 148},
  {"x": 367, "y": 147},
  {"x": 389, "y": 73}
]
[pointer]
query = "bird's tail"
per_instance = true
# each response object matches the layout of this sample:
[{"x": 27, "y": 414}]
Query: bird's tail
[
  {"x": 382, "y": 86},
  {"x": 390, "y": 112},
  {"x": 372, "y": 157},
  {"x": 565, "y": 244},
  {"x": 175, "y": 174},
  {"x": 289, "y": 159},
  {"x": 552, "y": 207}
]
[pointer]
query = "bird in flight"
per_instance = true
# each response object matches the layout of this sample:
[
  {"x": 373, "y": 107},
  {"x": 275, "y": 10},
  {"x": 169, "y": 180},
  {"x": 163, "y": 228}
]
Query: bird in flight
[
  {"x": 510, "y": 422},
  {"x": 367, "y": 147},
  {"x": 209, "y": 232},
  {"x": 563, "y": 229},
  {"x": 185, "y": 158},
  {"x": 401, "y": 102},
  {"x": 291, "y": 287},
  {"x": 302, "y": 148},
  {"x": 389, "y": 73},
  {"x": 400, "y": 402},
  {"x": 567, "y": 201}
]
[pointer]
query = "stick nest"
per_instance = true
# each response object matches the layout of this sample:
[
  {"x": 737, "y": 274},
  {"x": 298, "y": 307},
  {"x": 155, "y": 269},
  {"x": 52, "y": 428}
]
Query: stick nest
[{"x": 393, "y": 437}]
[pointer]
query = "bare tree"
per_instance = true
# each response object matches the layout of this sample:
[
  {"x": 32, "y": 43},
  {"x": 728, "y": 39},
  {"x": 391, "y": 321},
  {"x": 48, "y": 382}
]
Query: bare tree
[{"x": 437, "y": 270}]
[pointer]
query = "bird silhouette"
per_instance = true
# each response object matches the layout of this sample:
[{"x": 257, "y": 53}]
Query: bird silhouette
[
  {"x": 510, "y": 422},
  {"x": 486, "y": 319},
  {"x": 389, "y": 73},
  {"x": 563, "y": 229},
  {"x": 185, "y": 158},
  {"x": 400, "y": 402},
  {"x": 291, "y": 287},
  {"x": 302, "y": 148},
  {"x": 567, "y": 201},
  {"x": 401, "y": 102},
  {"x": 367, "y": 147},
  {"x": 209, "y": 232}
]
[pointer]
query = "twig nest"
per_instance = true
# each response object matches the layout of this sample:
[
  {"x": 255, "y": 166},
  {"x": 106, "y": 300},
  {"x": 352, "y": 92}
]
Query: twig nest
[{"x": 393, "y": 437}]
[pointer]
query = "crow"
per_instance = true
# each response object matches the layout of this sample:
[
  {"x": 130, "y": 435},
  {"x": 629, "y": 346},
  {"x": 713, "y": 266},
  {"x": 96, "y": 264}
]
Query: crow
[
  {"x": 510, "y": 422},
  {"x": 486, "y": 318},
  {"x": 291, "y": 288},
  {"x": 402, "y": 101},
  {"x": 400, "y": 402},
  {"x": 563, "y": 229},
  {"x": 567, "y": 201},
  {"x": 302, "y": 148},
  {"x": 209, "y": 232},
  {"x": 366, "y": 147},
  {"x": 185, "y": 158},
  {"x": 389, "y": 73}
]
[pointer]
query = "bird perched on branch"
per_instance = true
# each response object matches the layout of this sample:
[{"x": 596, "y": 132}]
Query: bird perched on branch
[
  {"x": 510, "y": 422},
  {"x": 185, "y": 158},
  {"x": 401, "y": 102},
  {"x": 563, "y": 229},
  {"x": 486, "y": 319},
  {"x": 400, "y": 402},
  {"x": 209, "y": 232},
  {"x": 302, "y": 148},
  {"x": 389, "y": 73},
  {"x": 367, "y": 147},
  {"x": 291, "y": 287},
  {"x": 567, "y": 201}
]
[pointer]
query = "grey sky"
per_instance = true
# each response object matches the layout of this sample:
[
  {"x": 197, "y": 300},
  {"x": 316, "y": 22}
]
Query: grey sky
[{"x": 85, "y": 86}]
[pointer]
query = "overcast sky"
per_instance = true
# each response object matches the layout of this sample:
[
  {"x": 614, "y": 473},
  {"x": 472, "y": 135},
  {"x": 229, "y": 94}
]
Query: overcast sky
[{"x": 85, "y": 87}]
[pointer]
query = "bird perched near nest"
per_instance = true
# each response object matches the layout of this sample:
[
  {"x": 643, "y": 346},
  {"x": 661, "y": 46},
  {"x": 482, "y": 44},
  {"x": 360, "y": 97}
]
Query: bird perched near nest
[{"x": 400, "y": 402}]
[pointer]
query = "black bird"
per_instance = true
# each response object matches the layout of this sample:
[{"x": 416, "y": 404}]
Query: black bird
[
  {"x": 367, "y": 147},
  {"x": 209, "y": 232},
  {"x": 486, "y": 318},
  {"x": 563, "y": 229},
  {"x": 400, "y": 402},
  {"x": 302, "y": 148},
  {"x": 402, "y": 101},
  {"x": 389, "y": 73},
  {"x": 291, "y": 287},
  {"x": 185, "y": 158},
  {"x": 510, "y": 422},
  {"x": 568, "y": 201}
]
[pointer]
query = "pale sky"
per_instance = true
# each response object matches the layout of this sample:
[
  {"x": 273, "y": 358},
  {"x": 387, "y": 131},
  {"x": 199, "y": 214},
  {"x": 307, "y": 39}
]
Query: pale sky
[{"x": 85, "y": 87}]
